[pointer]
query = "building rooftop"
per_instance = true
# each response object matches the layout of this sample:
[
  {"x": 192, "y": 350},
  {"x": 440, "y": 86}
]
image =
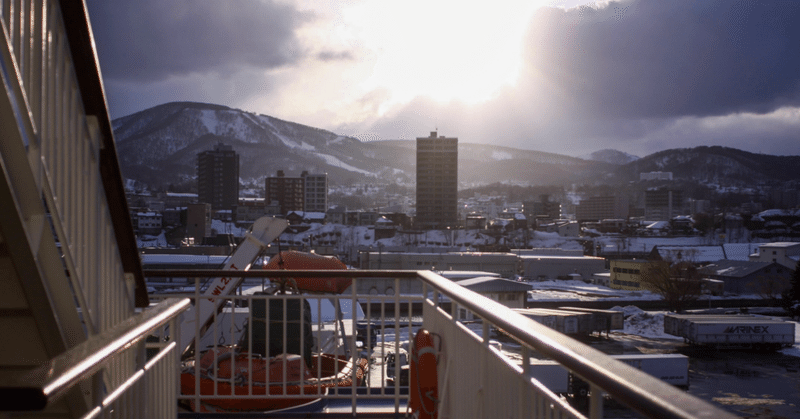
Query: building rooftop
[
  {"x": 493, "y": 284},
  {"x": 779, "y": 244},
  {"x": 734, "y": 268}
]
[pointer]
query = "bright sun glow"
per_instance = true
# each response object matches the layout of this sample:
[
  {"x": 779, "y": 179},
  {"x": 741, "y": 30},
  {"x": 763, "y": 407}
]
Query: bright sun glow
[{"x": 446, "y": 50}]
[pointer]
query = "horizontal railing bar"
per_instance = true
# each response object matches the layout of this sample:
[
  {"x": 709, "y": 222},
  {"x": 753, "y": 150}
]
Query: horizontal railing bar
[
  {"x": 262, "y": 273},
  {"x": 35, "y": 389},
  {"x": 636, "y": 389}
]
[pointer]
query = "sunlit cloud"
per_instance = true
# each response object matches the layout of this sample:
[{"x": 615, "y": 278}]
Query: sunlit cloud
[{"x": 634, "y": 75}]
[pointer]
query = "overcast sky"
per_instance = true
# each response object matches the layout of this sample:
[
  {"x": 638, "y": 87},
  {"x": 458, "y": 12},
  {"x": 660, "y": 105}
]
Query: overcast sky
[{"x": 569, "y": 77}]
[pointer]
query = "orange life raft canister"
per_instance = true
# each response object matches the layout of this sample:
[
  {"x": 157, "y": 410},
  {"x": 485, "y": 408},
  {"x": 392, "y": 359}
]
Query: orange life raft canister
[{"x": 423, "y": 379}]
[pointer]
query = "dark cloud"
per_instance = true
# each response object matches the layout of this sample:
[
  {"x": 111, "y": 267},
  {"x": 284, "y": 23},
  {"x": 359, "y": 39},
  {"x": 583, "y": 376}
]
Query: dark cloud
[
  {"x": 655, "y": 58},
  {"x": 152, "y": 40}
]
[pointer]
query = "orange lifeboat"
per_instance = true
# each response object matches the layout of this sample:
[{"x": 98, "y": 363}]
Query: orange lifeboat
[
  {"x": 309, "y": 261},
  {"x": 225, "y": 371}
]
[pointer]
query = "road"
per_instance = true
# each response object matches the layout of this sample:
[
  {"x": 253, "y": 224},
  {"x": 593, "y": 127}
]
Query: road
[{"x": 747, "y": 383}]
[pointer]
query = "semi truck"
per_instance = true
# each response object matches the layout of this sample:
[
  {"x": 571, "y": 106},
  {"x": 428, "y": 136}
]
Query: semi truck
[{"x": 732, "y": 332}]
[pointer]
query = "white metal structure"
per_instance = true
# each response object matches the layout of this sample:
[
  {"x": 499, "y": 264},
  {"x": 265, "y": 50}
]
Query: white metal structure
[
  {"x": 69, "y": 271},
  {"x": 264, "y": 231}
]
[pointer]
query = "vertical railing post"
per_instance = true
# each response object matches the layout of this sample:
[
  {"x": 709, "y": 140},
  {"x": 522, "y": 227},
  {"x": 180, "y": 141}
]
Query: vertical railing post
[{"x": 596, "y": 395}]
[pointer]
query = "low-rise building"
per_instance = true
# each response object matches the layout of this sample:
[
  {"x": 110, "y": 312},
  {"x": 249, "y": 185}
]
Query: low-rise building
[
  {"x": 541, "y": 267},
  {"x": 251, "y": 209},
  {"x": 148, "y": 222},
  {"x": 512, "y": 294},
  {"x": 627, "y": 274},
  {"x": 739, "y": 277},
  {"x": 783, "y": 253},
  {"x": 504, "y": 264}
]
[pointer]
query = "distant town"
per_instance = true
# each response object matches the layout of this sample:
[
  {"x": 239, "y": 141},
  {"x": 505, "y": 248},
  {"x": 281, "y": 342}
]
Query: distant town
[{"x": 607, "y": 233}]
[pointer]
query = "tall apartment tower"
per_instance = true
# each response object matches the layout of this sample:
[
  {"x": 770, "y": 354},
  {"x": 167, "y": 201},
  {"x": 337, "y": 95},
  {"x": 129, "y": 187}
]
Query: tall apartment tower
[
  {"x": 437, "y": 182},
  {"x": 218, "y": 177},
  {"x": 316, "y": 192},
  {"x": 288, "y": 192}
]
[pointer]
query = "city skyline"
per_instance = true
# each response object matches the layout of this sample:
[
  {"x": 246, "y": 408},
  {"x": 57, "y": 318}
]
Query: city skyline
[{"x": 637, "y": 76}]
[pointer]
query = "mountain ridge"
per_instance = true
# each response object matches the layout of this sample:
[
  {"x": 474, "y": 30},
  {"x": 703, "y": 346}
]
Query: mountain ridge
[{"x": 158, "y": 147}]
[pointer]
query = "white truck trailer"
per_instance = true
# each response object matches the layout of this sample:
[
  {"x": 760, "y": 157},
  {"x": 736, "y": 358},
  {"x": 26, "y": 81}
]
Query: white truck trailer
[
  {"x": 678, "y": 324},
  {"x": 761, "y": 333}
]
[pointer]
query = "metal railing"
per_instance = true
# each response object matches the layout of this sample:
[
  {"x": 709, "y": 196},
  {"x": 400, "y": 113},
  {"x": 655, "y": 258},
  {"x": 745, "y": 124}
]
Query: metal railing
[
  {"x": 149, "y": 337},
  {"x": 475, "y": 379},
  {"x": 63, "y": 125}
]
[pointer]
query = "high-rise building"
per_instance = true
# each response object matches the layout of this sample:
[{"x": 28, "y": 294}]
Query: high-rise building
[
  {"x": 218, "y": 177},
  {"x": 288, "y": 192},
  {"x": 316, "y": 192},
  {"x": 544, "y": 209},
  {"x": 308, "y": 193},
  {"x": 661, "y": 204},
  {"x": 598, "y": 208},
  {"x": 437, "y": 182}
]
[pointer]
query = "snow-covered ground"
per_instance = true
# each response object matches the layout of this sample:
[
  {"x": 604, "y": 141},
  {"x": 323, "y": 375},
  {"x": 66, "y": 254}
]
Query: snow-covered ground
[
  {"x": 794, "y": 350},
  {"x": 557, "y": 290},
  {"x": 577, "y": 290},
  {"x": 638, "y": 322}
]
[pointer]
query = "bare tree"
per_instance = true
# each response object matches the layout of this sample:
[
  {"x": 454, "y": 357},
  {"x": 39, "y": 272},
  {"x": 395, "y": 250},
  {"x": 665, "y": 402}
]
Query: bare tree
[
  {"x": 770, "y": 287},
  {"x": 678, "y": 283},
  {"x": 790, "y": 297}
]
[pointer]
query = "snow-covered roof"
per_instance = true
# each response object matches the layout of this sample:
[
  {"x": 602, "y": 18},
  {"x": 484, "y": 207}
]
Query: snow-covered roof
[
  {"x": 779, "y": 245},
  {"x": 308, "y": 215},
  {"x": 561, "y": 257},
  {"x": 493, "y": 284},
  {"x": 734, "y": 268},
  {"x": 739, "y": 251},
  {"x": 691, "y": 253},
  {"x": 775, "y": 213},
  {"x": 659, "y": 225}
]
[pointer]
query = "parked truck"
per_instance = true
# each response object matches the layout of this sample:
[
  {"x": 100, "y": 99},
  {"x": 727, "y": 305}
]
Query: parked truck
[
  {"x": 762, "y": 333},
  {"x": 670, "y": 368}
]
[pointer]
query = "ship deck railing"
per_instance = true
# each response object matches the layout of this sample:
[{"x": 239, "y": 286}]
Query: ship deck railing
[
  {"x": 475, "y": 377},
  {"x": 149, "y": 389}
]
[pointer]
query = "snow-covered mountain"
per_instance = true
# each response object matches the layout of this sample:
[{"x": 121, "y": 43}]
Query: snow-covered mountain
[{"x": 159, "y": 147}]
